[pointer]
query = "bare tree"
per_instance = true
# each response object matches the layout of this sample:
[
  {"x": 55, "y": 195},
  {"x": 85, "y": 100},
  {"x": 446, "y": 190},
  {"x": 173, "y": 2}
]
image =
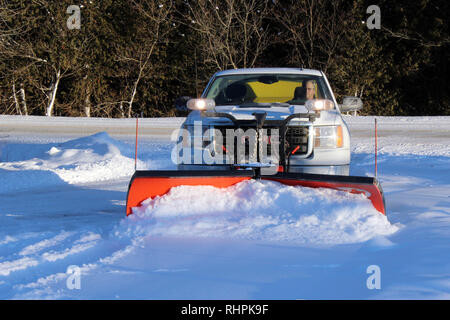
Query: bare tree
[
  {"x": 313, "y": 28},
  {"x": 41, "y": 50},
  {"x": 137, "y": 57},
  {"x": 9, "y": 47},
  {"x": 232, "y": 31},
  {"x": 417, "y": 38}
]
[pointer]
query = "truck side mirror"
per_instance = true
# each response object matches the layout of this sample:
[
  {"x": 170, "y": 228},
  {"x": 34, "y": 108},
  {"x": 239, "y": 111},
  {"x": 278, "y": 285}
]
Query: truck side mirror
[
  {"x": 351, "y": 104},
  {"x": 181, "y": 103}
]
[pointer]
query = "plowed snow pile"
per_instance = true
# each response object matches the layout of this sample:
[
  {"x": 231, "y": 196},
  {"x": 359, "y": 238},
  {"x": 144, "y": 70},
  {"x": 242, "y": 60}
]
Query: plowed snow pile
[
  {"x": 262, "y": 211},
  {"x": 93, "y": 158}
]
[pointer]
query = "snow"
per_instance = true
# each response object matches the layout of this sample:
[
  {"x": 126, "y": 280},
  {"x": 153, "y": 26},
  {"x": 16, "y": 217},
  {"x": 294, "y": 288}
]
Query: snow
[
  {"x": 87, "y": 159},
  {"x": 261, "y": 211},
  {"x": 427, "y": 136},
  {"x": 63, "y": 184}
]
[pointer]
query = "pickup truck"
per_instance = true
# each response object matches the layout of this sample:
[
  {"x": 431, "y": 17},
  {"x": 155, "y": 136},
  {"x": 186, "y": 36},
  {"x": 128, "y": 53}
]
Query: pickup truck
[
  {"x": 269, "y": 124},
  {"x": 284, "y": 118}
]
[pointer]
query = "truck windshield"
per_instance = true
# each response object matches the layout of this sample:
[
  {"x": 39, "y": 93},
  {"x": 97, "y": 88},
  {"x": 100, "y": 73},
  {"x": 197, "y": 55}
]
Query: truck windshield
[{"x": 250, "y": 89}]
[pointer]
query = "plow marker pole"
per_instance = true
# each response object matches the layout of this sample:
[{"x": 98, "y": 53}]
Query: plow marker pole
[{"x": 135, "y": 144}]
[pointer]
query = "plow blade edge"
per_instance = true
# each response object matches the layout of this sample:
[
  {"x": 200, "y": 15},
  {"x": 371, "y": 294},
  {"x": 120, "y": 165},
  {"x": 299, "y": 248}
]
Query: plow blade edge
[{"x": 149, "y": 184}]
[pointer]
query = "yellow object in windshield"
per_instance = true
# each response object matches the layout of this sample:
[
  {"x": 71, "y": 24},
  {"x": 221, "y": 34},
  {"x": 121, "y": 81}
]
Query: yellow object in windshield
[{"x": 280, "y": 91}]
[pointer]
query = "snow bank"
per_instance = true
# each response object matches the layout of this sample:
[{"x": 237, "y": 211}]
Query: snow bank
[
  {"x": 424, "y": 136},
  {"x": 261, "y": 211},
  {"x": 398, "y": 147},
  {"x": 93, "y": 158}
]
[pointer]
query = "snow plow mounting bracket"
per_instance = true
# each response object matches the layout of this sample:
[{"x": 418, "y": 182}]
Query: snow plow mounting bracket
[{"x": 260, "y": 120}]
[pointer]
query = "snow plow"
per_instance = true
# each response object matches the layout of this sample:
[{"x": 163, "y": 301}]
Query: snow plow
[
  {"x": 149, "y": 184},
  {"x": 275, "y": 124}
]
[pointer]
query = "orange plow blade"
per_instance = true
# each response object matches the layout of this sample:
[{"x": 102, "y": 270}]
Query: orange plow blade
[
  {"x": 149, "y": 184},
  {"x": 352, "y": 184}
]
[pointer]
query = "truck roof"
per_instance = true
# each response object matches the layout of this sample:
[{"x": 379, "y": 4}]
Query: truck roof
[{"x": 270, "y": 71}]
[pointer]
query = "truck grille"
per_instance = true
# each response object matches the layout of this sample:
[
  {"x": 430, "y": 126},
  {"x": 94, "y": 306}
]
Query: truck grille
[{"x": 296, "y": 142}]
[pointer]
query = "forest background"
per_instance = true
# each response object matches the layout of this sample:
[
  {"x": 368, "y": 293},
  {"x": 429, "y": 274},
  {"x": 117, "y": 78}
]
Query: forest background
[{"x": 120, "y": 58}]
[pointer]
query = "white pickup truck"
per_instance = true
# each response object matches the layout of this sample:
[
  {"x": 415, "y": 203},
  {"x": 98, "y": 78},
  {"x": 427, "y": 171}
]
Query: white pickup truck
[
  {"x": 272, "y": 124},
  {"x": 283, "y": 117}
]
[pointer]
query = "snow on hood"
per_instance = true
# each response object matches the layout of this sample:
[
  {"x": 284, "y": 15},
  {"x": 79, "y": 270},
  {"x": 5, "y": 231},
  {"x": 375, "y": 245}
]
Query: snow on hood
[
  {"x": 261, "y": 211},
  {"x": 93, "y": 158}
]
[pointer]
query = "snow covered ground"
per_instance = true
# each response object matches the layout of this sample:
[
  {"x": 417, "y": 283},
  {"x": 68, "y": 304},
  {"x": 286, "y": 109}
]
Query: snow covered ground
[{"x": 63, "y": 185}]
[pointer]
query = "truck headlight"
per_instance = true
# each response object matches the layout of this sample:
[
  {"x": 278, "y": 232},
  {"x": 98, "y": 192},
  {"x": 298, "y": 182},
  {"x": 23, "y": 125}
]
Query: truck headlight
[
  {"x": 201, "y": 104},
  {"x": 328, "y": 137},
  {"x": 318, "y": 105}
]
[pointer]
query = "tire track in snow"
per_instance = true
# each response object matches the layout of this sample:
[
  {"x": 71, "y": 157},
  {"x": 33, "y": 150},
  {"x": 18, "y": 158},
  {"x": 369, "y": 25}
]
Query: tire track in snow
[
  {"x": 7, "y": 267},
  {"x": 46, "y": 243},
  {"x": 33, "y": 258},
  {"x": 43, "y": 285}
]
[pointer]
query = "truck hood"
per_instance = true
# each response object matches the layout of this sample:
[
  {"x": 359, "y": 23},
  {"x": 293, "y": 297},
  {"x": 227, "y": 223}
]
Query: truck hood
[{"x": 273, "y": 113}]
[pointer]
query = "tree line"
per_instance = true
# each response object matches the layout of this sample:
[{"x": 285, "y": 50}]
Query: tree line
[{"x": 126, "y": 57}]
